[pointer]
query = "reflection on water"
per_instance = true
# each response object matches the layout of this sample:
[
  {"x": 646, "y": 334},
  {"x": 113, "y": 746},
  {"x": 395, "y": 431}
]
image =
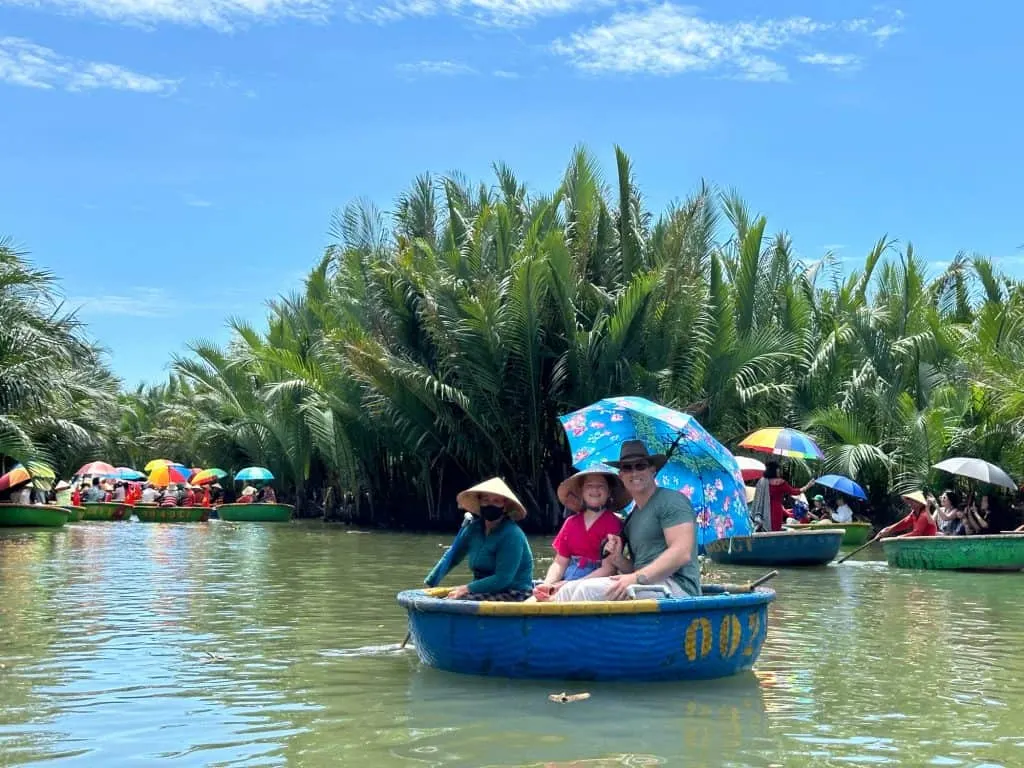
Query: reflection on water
[{"x": 234, "y": 644}]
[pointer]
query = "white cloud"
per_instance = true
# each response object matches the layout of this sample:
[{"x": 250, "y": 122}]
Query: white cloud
[
  {"x": 505, "y": 74},
  {"x": 669, "y": 39},
  {"x": 506, "y": 13},
  {"x": 885, "y": 31},
  {"x": 196, "y": 202},
  {"x": 837, "y": 62},
  {"x": 24, "y": 63},
  {"x": 143, "y": 302},
  {"x": 222, "y": 14},
  {"x": 442, "y": 68}
]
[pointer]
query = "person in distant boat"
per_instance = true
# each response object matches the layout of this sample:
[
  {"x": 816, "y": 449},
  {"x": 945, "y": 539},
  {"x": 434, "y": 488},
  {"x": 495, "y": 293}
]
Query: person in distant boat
[
  {"x": 918, "y": 523},
  {"x": 950, "y": 518},
  {"x": 843, "y": 513},
  {"x": 188, "y": 499},
  {"x": 267, "y": 495},
  {"x": 248, "y": 495},
  {"x": 976, "y": 517},
  {"x": 496, "y": 547},
  {"x": 774, "y": 489},
  {"x": 799, "y": 513},
  {"x": 119, "y": 491},
  {"x": 150, "y": 495},
  {"x": 94, "y": 492},
  {"x": 594, "y": 495},
  {"x": 660, "y": 534},
  {"x": 64, "y": 494},
  {"x": 169, "y": 498}
]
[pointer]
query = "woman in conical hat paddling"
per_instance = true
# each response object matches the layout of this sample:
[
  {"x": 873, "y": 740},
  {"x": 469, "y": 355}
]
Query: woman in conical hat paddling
[
  {"x": 595, "y": 495},
  {"x": 499, "y": 554}
]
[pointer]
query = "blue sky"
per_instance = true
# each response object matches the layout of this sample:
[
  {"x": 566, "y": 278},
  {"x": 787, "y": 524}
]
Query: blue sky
[{"x": 176, "y": 162}]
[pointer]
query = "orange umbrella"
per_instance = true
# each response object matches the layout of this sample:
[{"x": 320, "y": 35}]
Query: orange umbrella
[{"x": 165, "y": 474}]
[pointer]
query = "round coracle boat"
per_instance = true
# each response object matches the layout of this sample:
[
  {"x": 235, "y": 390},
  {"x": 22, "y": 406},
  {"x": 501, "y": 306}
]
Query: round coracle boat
[
  {"x": 806, "y": 547},
  {"x": 156, "y": 514},
  {"x": 855, "y": 533},
  {"x": 255, "y": 513},
  {"x": 106, "y": 510},
  {"x": 75, "y": 514},
  {"x": 32, "y": 515},
  {"x": 1002, "y": 552},
  {"x": 692, "y": 638}
]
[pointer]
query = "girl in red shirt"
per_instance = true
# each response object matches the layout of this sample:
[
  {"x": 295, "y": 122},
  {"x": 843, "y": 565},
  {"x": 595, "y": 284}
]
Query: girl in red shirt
[{"x": 594, "y": 495}]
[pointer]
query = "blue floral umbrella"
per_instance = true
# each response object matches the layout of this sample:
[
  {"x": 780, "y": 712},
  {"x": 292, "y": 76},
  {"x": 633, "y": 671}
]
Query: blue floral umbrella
[{"x": 699, "y": 466}]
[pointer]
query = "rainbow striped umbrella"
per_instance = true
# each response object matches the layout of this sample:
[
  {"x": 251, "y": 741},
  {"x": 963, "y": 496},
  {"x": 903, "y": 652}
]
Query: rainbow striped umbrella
[
  {"x": 782, "y": 441},
  {"x": 207, "y": 476},
  {"x": 22, "y": 474},
  {"x": 165, "y": 474},
  {"x": 160, "y": 462}
]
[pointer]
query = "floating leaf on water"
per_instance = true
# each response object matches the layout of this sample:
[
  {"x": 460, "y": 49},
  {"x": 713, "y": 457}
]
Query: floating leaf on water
[{"x": 565, "y": 698}]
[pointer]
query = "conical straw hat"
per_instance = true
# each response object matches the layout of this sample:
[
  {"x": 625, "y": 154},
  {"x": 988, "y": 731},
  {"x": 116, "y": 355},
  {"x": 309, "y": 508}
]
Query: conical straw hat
[
  {"x": 570, "y": 490},
  {"x": 469, "y": 499},
  {"x": 915, "y": 496}
]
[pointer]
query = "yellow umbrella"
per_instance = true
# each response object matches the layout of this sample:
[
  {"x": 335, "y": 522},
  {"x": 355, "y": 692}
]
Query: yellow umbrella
[{"x": 156, "y": 463}]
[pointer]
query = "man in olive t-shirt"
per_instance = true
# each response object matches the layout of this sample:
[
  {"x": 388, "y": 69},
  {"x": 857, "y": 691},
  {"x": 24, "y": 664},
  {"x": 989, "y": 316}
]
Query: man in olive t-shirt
[{"x": 661, "y": 532}]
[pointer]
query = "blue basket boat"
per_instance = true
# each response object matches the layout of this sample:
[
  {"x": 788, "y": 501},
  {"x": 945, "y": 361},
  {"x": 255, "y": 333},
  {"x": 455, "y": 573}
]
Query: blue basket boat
[
  {"x": 698, "y": 638},
  {"x": 778, "y": 548}
]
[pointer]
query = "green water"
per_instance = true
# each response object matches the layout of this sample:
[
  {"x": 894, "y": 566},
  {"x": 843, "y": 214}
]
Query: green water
[{"x": 248, "y": 644}]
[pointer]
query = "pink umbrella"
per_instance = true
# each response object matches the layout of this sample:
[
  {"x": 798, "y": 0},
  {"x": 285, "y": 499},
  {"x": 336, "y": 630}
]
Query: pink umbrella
[{"x": 97, "y": 468}]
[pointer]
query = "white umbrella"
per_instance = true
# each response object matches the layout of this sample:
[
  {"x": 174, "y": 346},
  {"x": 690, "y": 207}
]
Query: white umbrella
[
  {"x": 977, "y": 469},
  {"x": 750, "y": 468}
]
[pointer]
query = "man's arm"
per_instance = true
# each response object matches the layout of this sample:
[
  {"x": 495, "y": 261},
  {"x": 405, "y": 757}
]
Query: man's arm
[{"x": 679, "y": 539}]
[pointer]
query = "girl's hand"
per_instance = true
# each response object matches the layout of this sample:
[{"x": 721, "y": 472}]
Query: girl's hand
[
  {"x": 544, "y": 592},
  {"x": 457, "y": 593}
]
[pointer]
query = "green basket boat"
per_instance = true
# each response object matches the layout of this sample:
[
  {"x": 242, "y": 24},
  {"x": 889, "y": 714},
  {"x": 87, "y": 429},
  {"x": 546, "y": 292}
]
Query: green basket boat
[
  {"x": 75, "y": 514},
  {"x": 32, "y": 515},
  {"x": 154, "y": 514},
  {"x": 1003, "y": 552},
  {"x": 854, "y": 534},
  {"x": 255, "y": 513},
  {"x": 106, "y": 510}
]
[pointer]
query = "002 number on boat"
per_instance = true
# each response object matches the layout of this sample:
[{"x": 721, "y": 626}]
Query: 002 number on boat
[{"x": 699, "y": 637}]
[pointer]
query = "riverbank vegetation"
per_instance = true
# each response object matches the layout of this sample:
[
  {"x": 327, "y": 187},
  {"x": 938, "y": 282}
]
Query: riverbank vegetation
[{"x": 437, "y": 344}]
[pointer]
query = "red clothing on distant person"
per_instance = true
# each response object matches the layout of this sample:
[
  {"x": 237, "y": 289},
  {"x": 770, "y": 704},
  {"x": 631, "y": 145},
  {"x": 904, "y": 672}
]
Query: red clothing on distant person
[
  {"x": 779, "y": 489},
  {"x": 189, "y": 498},
  {"x": 918, "y": 523},
  {"x": 576, "y": 540},
  {"x": 76, "y": 498}
]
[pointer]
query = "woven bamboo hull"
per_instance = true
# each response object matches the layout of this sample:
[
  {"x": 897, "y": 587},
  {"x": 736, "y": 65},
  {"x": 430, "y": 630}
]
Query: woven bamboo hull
[
  {"x": 31, "y": 515},
  {"x": 106, "y": 510},
  {"x": 691, "y": 638},
  {"x": 854, "y": 534},
  {"x": 255, "y": 513},
  {"x": 75, "y": 514},
  {"x": 153, "y": 514},
  {"x": 778, "y": 548},
  {"x": 1004, "y": 552}
]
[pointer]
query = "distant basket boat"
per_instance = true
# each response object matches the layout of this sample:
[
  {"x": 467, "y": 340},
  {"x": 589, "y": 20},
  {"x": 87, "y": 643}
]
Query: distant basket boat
[
  {"x": 855, "y": 533},
  {"x": 106, "y": 510},
  {"x": 255, "y": 513},
  {"x": 75, "y": 514},
  {"x": 778, "y": 548},
  {"x": 156, "y": 514},
  {"x": 32, "y": 515},
  {"x": 717, "y": 635},
  {"x": 1001, "y": 552}
]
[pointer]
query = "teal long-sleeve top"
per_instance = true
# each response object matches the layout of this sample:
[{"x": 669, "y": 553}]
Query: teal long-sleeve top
[{"x": 499, "y": 560}]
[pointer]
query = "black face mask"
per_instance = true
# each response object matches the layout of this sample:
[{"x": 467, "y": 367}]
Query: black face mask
[{"x": 491, "y": 513}]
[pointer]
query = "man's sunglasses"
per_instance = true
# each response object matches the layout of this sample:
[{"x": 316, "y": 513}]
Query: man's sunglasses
[{"x": 640, "y": 466}]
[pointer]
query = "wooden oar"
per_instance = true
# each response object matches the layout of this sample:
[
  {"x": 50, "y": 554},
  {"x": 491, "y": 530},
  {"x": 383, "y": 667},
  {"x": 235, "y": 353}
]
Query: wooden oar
[
  {"x": 440, "y": 570},
  {"x": 750, "y": 586},
  {"x": 858, "y": 549}
]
